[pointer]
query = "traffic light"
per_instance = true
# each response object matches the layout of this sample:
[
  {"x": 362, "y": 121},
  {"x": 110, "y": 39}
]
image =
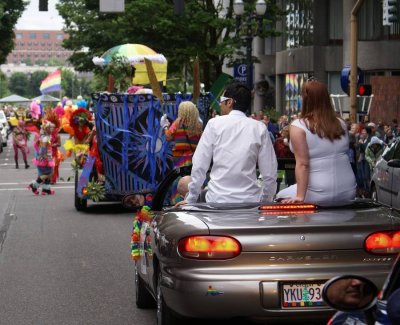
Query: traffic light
[
  {"x": 43, "y": 5},
  {"x": 393, "y": 15},
  {"x": 390, "y": 12},
  {"x": 364, "y": 90}
]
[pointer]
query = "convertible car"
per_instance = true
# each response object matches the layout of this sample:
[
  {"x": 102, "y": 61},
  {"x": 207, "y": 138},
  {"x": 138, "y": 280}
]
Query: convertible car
[
  {"x": 385, "y": 182},
  {"x": 259, "y": 261}
]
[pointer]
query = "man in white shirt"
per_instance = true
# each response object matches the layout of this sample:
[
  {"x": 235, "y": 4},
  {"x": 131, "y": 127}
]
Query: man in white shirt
[{"x": 235, "y": 144}]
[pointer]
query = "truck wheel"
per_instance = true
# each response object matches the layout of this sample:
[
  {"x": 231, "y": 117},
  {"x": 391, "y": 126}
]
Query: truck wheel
[
  {"x": 143, "y": 297},
  {"x": 80, "y": 204}
]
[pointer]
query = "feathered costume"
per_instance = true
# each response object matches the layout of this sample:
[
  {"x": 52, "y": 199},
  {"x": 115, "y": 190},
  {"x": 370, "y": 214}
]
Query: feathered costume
[
  {"x": 43, "y": 159},
  {"x": 55, "y": 140},
  {"x": 78, "y": 128}
]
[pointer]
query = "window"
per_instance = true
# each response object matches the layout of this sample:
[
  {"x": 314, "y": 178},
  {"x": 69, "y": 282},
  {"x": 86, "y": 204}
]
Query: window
[
  {"x": 46, "y": 36},
  {"x": 335, "y": 21},
  {"x": 299, "y": 23},
  {"x": 18, "y": 35},
  {"x": 397, "y": 151},
  {"x": 60, "y": 37},
  {"x": 32, "y": 35}
]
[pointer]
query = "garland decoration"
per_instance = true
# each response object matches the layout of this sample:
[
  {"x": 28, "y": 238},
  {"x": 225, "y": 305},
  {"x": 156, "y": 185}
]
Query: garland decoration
[{"x": 144, "y": 215}]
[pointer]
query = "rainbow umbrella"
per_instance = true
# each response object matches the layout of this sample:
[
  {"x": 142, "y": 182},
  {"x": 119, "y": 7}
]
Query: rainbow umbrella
[{"x": 135, "y": 55}]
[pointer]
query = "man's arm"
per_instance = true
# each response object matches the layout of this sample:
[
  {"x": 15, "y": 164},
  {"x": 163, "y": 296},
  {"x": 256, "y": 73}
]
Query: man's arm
[
  {"x": 201, "y": 162},
  {"x": 268, "y": 167}
]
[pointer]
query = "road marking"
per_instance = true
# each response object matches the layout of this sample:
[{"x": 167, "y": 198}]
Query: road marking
[
  {"x": 55, "y": 185},
  {"x": 24, "y": 188}
]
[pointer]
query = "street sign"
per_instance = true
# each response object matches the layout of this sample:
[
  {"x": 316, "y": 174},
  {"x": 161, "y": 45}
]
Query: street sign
[
  {"x": 345, "y": 78},
  {"x": 240, "y": 72}
]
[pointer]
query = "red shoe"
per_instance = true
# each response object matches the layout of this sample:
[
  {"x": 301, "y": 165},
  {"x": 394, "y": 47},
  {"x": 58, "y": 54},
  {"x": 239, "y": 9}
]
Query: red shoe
[
  {"x": 48, "y": 192},
  {"x": 33, "y": 189}
]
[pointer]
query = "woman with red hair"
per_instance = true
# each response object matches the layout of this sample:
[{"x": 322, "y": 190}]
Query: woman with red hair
[{"x": 320, "y": 141}]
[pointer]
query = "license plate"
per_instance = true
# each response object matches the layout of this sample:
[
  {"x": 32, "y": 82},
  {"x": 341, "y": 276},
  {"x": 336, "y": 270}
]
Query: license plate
[{"x": 300, "y": 295}]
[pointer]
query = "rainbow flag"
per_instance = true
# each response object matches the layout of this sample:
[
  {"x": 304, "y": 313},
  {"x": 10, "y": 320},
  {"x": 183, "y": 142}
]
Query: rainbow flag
[{"x": 51, "y": 83}]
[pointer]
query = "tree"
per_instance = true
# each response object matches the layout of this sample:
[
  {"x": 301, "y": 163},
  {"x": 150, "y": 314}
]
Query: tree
[
  {"x": 36, "y": 79},
  {"x": 204, "y": 31},
  {"x": 19, "y": 84},
  {"x": 4, "y": 91},
  {"x": 10, "y": 11}
]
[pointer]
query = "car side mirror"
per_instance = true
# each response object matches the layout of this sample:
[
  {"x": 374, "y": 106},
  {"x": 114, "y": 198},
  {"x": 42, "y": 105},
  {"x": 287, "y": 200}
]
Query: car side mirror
[
  {"x": 394, "y": 163},
  {"x": 350, "y": 293}
]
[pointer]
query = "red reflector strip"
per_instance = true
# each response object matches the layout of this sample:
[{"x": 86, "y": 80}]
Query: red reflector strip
[
  {"x": 284, "y": 207},
  {"x": 267, "y": 213}
]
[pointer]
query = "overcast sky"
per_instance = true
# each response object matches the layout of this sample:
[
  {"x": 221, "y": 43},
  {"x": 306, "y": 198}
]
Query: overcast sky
[{"x": 33, "y": 19}]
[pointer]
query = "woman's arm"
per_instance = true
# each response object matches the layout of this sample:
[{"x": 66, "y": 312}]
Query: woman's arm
[
  {"x": 170, "y": 132},
  {"x": 300, "y": 149}
]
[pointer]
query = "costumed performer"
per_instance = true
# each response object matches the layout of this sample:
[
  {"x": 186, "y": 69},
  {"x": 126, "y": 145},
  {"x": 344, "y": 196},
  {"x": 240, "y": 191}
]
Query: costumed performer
[
  {"x": 69, "y": 108},
  {"x": 20, "y": 142},
  {"x": 55, "y": 140},
  {"x": 79, "y": 130},
  {"x": 43, "y": 159},
  {"x": 35, "y": 110}
]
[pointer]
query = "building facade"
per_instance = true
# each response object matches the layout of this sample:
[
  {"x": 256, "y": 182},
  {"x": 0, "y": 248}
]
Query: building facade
[
  {"x": 315, "y": 41},
  {"x": 39, "y": 47}
]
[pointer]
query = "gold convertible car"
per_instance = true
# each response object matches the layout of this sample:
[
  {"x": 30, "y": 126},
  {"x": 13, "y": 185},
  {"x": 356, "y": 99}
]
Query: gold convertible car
[{"x": 265, "y": 261}]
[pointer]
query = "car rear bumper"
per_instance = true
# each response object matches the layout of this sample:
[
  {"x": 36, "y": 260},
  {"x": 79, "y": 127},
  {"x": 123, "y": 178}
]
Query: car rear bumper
[
  {"x": 226, "y": 299},
  {"x": 244, "y": 295}
]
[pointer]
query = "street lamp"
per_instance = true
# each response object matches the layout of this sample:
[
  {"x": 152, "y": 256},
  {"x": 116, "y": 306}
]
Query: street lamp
[{"x": 250, "y": 15}]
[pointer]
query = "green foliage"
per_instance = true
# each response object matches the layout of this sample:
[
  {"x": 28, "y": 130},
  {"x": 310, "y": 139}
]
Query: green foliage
[
  {"x": 73, "y": 86},
  {"x": 204, "y": 30},
  {"x": 121, "y": 71},
  {"x": 19, "y": 84},
  {"x": 4, "y": 91},
  {"x": 10, "y": 11},
  {"x": 35, "y": 80},
  {"x": 95, "y": 191}
]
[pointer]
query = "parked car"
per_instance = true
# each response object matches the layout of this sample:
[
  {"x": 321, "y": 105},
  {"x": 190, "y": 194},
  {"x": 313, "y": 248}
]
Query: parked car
[
  {"x": 375, "y": 309},
  {"x": 4, "y": 128},
  {"x": 385, "y": 181},
  {"x": 264, "y": 261},
  {"x": 1, "y": 139}
]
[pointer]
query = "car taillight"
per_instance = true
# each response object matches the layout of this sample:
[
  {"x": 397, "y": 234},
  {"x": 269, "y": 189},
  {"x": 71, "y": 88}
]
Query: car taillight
[
  {"x": 383, "y": 242},
  {"x": 84, "y": 191},
  {"x": 209, "y": 247}
]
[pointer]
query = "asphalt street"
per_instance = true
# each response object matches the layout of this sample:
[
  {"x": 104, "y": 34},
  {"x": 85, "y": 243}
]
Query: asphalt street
[{"x": 60, "y": 266}]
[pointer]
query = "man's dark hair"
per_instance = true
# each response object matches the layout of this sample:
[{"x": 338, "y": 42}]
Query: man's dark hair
[{"x": 241, "y": 94}]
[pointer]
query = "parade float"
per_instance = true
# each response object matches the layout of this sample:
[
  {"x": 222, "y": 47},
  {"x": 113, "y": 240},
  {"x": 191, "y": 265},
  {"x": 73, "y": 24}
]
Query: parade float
[{"x": 130, "y": 155}]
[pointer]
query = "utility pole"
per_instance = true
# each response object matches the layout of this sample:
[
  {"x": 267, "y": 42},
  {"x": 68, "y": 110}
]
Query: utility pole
[{"x": 353, "y": 67}]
